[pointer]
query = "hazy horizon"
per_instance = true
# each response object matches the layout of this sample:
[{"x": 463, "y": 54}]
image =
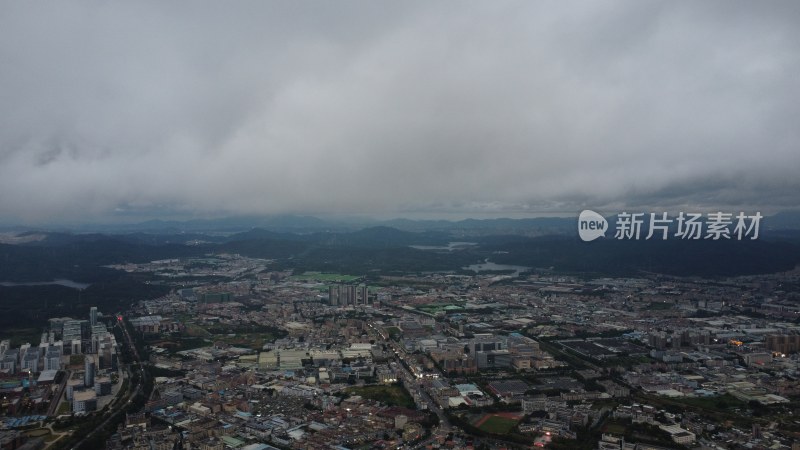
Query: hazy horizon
[{"x": 133, "y": 111}]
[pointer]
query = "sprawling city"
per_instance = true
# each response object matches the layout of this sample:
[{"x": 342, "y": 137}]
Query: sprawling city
[
  {"x": 418, "y": 225},
  {"x": 243, "y": 354}
]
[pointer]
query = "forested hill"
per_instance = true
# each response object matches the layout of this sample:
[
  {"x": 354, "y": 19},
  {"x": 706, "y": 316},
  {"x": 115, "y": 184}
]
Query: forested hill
[{"x": 389, "y": 250}]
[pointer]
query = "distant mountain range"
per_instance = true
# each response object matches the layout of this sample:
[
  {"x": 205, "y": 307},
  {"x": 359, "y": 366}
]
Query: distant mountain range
[
  {"x": 298, "y": 224},
  {"x": 309, "y": 224},
  {"x": 395, "y": 246},
  {"x": 553, "y": 245}
]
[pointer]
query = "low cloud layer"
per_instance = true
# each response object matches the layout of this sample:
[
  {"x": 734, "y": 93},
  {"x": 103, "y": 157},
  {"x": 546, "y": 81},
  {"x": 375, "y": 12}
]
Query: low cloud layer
[{"x": 193, "y": 108}]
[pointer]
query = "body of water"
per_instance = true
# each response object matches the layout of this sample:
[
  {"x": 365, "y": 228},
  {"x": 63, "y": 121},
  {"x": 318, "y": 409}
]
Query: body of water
[
  {"x": 449, "y": 247},
  {"x": 490, "y": 266},
  {"x": 66, "y": 283}
]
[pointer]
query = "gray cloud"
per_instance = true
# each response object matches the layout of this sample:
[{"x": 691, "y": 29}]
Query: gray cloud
[{"x": 385, "y": 107}]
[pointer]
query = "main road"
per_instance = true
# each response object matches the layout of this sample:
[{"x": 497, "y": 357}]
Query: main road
[
  {"x": 51, "y": 411},
  {"x": 410, "y": 380},
  {"x": 119, "y": 407}
]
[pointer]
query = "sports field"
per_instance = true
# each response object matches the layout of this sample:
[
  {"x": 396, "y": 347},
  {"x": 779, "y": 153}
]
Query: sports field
[{"x": 498, "y": 423}]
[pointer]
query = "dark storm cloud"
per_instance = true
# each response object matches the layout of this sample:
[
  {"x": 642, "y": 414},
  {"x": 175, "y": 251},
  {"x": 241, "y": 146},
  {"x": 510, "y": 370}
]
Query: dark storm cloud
[{"x": 381, "y": 107}]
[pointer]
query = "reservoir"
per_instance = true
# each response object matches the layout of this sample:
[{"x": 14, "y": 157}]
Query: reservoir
[
  {"x": 490, "y": 266},
  {"x": 449, "y": 247},
  {"x": 65, "y": 283}
]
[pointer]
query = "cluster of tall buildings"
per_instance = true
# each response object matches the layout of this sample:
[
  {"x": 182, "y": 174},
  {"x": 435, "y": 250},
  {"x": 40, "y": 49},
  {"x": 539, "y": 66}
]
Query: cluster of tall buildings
[
  {"x": 660, "y": 340},
  {"x": 783, "y": 343},
  {"x": 66, "y": 336},
  {"x": 347, "y": 294},
  {"x": 84, "y": 391},
  {"x": 27, "y": 358},
  {"x": 486, "y": 351}
]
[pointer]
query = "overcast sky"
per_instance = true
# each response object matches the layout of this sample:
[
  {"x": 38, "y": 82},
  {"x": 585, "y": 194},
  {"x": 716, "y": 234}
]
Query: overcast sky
[{"x": 195, "y": 109}]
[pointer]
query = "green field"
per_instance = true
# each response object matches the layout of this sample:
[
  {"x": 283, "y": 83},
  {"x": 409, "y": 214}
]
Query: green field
[
  {"x": 63, "y": 408},
  {"x": 498, "y": 425},
  {"x": 195, "y": 330},
  {"x": 252, "y": 336},
  {"x": 39, "y": 432},
  {"x": 254, "y": 341},
  {"x": 719, "y": 403},
  {"x": 324, "y": 277},
  {"x": 615, "y": 428},
  {"x": 393, "y": 331},
  {"x": 434, "y": 308},
  {"x": 181, "y": 344},
  {"x": 392, "y": 395},
  {"x": 660, "y": 306}
]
